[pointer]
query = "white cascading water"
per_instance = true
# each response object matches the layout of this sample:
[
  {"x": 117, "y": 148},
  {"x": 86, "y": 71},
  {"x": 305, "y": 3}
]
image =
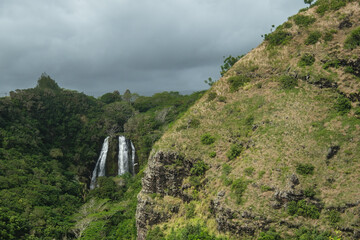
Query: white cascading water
[
  {"x": 99, "y": 169},
  {"x": 123, "y": 158},
  {"x": 132, "y": 158}
]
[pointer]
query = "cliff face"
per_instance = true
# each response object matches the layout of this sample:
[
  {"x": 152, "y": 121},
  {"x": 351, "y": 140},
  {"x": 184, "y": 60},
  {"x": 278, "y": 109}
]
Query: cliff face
[
  {"x": 164, "y": 176},
  {"x": 112, "y": 157},
  {"x": 273, "y": 144}
]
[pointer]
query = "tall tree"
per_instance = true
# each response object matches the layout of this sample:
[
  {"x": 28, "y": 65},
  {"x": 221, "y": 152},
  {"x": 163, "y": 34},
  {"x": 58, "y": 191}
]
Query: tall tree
[
  {"x": 308, "y": 2},
  {"x": 228, "y": 63},
  {"x": 127, "y": 96},
  {"x": 45, "y": 82}
]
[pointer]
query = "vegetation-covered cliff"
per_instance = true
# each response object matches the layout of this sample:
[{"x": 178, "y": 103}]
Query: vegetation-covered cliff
[{"x": 271, "y": 150}]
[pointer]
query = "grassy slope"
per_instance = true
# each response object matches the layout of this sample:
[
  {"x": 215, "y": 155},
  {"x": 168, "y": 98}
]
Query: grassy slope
[{"x": 293, "y": 126}]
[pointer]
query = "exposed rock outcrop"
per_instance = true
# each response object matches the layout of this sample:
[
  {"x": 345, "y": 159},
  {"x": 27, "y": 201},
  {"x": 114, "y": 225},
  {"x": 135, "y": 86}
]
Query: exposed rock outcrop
[
  {"x": 147, "y": 215},
  {"x": 165, "y": 173},
  {"x": 164, "y": 176},
  {"x": 236, "y": 222},
  {"x": 332, "y": 151}
]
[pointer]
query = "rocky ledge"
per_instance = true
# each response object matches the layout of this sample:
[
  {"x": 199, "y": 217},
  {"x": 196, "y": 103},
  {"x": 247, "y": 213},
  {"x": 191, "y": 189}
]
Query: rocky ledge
[{"x": 164, "y": 176}]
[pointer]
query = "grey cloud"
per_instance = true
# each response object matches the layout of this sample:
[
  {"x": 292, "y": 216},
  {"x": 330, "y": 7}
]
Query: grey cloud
[{"x": 147, "y": 46}]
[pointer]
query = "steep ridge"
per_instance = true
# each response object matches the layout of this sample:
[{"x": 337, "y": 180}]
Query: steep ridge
[{"x": 272, "y": 148}]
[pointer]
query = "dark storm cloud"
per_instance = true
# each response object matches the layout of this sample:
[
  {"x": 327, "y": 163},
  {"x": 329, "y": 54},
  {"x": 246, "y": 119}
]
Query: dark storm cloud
[{"x": 146, "y": 46}]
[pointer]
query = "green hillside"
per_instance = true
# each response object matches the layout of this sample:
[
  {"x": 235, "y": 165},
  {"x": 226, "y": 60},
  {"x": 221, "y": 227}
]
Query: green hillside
[
  {"x": 271, "y": 150},
  {"x": 50, "y": 139}
]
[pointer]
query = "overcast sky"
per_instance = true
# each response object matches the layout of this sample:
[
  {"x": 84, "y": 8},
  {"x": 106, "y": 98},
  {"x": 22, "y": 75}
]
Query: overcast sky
[{"x": 147, "y": 46}]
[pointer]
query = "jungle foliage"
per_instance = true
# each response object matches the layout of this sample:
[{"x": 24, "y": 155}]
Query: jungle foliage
[{"x": 50, "y": 139}]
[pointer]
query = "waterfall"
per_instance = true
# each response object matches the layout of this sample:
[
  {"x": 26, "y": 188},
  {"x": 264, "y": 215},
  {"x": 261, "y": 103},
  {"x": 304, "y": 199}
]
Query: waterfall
[
  {"x": 126, "y": 159},
  {"x": 123, "y": 158},
  {"x": 99, "y": 169},
  {"x": 132, "y": 158}
]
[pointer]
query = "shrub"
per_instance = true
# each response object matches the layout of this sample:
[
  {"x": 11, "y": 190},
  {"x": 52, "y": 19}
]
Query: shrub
[
  {"x": 278, "y": 38},
  {"x": 212, "y": 154},
  {"x": 195, "y": 194},
  {"x": 249, "y": 171},
  {"x": 284, "y": 25},
  {"x": 211, "y": 96},
  {"x": 222, "y": 99},
  {"x": 195, "y": 181},
  {"x": 155, "y": 234},
  {"x": 288, "y": 82},
  {"x": 302, "y": 208},
  {"x": 328, "y": 36},
  {"x": 287, "y": 25},
  {"x": 227, "y": 181},
  {"x": 307, "y": 210},
  {"x": 226, "y": 169},
  {"x": 193, "y": 123},
  {"x": 333, "y": 216},
  {"x": 192, "y": 232},
  {"x": 337, "y": 4},
  {"x": 237, "y": 81},
  {"x": 305, "y": 233},
  {"x": 305, "y": 169},
  {"x": 238, "y": 187},
  {"x": 306, "y": 60},
  {"x": 342, "y": 105},
  {"x": 322, "y": 9},
  {"x": 270, "y": 235},
  {"x": 292, "y": 208},
  {"x": 304, "y": 21},
  {"x": 353, "y": 40},
  {"x": 349, "y": 69},
  {"x": 313, "y": 38},
  {"x": 357, "y": 112},
  {"x": 199, "y": 168},
  {"x": 310, "y": 192},
  {"x": 335, "y": 63},
  {"x": 190, "y": 210},
  {"x": 326, "y": 5},
  {"x": 235, "y": 151},
  {"x": 207, "y": 139}
]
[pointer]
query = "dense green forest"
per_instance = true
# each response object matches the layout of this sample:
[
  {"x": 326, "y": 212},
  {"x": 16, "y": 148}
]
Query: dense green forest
[{"x": 50, "y": 139}]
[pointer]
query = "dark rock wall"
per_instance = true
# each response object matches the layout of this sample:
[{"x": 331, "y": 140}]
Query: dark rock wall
[
  {"x": 111, "y": 167},
  {"x": 164, "y": 175}
]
